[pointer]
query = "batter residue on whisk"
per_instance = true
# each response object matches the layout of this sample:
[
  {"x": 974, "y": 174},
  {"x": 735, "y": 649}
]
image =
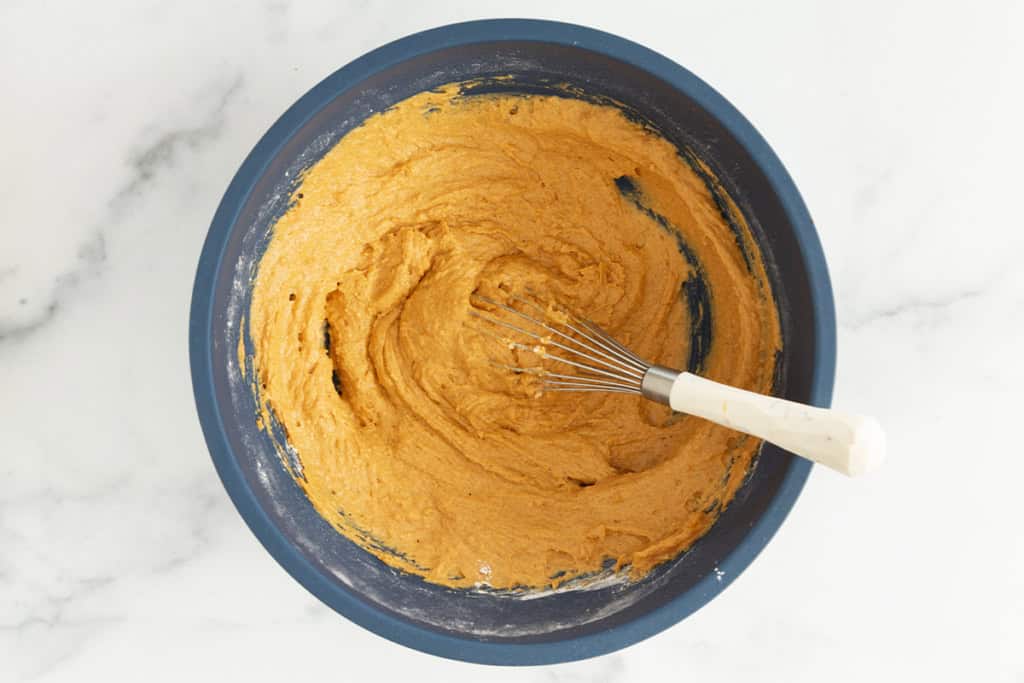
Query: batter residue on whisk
[{"x": 411, "y": 442}]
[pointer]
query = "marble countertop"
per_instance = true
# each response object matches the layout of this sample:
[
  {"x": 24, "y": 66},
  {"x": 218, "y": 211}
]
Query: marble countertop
[{"x": 121, "y": 557}]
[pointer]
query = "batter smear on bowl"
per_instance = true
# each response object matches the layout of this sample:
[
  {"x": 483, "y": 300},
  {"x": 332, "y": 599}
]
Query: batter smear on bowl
[{"x": 417, "y": 448}]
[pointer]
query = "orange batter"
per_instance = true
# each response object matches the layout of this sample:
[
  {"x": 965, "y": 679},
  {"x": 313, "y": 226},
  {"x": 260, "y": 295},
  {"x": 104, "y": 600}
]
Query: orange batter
[{"x": 411, "y": 443}]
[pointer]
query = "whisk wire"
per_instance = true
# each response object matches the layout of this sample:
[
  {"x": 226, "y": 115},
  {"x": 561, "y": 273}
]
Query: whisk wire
[
  {"x": 560, "y": 379},
  {"x": 603, "y": 364},
  {"x": 581, "y": 387},
  {"x": 610, "y": 345},
  {"x": 616, "y": 364},
  {"x": 536, "y": 349},
  {"x": 618, "y": 346}
]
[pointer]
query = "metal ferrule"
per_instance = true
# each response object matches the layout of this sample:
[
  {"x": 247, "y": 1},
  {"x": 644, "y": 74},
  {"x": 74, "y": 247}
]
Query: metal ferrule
[{"x": 657, "y": 383}]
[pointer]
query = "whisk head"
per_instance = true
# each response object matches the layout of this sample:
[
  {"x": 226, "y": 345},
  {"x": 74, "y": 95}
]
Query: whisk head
[{"x": 582, "y": 356}]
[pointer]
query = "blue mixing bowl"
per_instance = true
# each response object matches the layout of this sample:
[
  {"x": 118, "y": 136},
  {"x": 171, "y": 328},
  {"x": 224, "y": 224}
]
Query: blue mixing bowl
[{"x": 461, "y": 624}]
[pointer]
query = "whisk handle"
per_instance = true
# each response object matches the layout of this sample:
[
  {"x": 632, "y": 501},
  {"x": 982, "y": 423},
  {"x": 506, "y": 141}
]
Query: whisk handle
[{"x": 851, "y": 444}]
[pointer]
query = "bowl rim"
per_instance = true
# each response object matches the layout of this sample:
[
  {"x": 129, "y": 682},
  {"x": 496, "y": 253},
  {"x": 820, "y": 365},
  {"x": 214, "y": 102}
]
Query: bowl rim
[{"x": 201, "y": 347}]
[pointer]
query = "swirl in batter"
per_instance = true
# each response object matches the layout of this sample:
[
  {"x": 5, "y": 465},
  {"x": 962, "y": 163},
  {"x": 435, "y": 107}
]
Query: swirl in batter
[{"x": 417, "y": 448}]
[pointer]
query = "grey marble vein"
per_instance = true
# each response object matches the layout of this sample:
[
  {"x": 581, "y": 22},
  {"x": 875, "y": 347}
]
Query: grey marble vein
[
  {"x": 21, "y": 330},
  {"x": 66, "y": 644},
  {"x": 91, "y": 256},
  {"x": 56, "y": 606},
  {"x": 198, "y": 515},
  {"x": 147, "y": 162},
  {"x": 915, "y": 306},
  {"x": 49, "y": 493},
  {"x": 609, "y": 669}
]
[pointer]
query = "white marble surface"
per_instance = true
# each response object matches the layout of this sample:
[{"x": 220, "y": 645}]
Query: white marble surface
[{"x": 121, "y": 557}]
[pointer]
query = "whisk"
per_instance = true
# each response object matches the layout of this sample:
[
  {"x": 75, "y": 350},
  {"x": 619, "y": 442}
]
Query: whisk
[{"x": 589, "y": 359}]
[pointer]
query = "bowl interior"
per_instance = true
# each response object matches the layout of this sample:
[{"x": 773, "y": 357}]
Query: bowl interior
[{"x": 333, "y": 567}]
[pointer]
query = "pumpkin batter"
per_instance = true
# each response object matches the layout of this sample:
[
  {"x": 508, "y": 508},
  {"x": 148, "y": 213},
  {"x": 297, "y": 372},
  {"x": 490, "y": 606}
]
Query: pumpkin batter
[{"x": 417, "y": 448}]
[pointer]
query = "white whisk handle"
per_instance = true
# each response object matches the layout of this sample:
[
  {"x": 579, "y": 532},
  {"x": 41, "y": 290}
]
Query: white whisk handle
[{"x": 851, "y": 444}]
